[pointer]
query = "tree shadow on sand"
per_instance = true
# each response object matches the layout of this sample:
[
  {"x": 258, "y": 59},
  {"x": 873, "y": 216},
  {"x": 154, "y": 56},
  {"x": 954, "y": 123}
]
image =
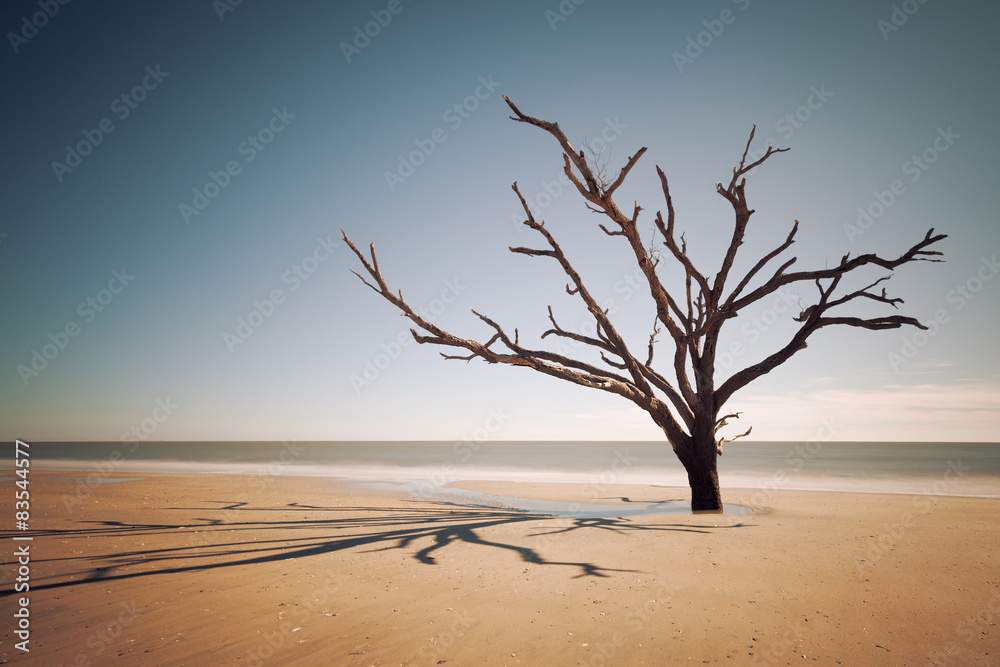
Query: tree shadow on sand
[{"x": 426, "y": 526}]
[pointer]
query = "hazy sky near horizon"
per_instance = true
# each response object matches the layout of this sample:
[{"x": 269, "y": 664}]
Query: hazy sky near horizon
[{"x": 173, "y": 167}]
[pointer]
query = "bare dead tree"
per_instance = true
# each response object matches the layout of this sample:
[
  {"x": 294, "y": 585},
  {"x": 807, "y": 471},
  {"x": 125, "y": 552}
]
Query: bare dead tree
[{"x": 688, "y": 405}]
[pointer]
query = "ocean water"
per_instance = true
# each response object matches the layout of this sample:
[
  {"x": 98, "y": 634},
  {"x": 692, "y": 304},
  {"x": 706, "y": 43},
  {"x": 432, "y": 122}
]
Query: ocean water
[{"x": 954, "y": 469}]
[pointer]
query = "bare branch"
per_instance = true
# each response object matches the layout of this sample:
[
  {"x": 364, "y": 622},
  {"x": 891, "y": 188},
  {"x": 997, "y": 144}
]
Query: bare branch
[
  {"x": 468, "y": 357},
  {"x": 635, "y": 389},
  {"x": 625, "y": 170},
  {"x": 742, "y": 169},
  {"x": 652, "y": 342},
  {"x": 875, "y": 323},
  {"x": 613, "y": 363},
  {"x": 864, "y": 293},
  {"x": 722, "y": 421},
  {"x": 736, "y": 437},
  {"x": 916, "y": 253},
  {"x": 722, "y": 441},
  {"x": 532, "y": 252},
  {"x": 675, "y": 398},
  {"x": 735, "y": 194},
  {"x": 592, "y": 191},
  {"x": 600, "y": 163},
  {"x": 556, "y": 330},
  {"x": 680, "y": 254},
  {"x": 763, "y": 262}
]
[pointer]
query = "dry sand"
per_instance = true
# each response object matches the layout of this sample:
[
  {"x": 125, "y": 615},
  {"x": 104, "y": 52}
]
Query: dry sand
[{"x": 232, "y": 570}]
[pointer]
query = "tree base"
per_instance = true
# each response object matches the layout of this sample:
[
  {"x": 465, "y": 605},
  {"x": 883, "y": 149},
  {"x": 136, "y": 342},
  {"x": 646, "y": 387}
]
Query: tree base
[{"x": 705, "y": 495}]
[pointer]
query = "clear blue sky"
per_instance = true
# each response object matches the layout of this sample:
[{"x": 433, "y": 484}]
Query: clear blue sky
[{"x": 216, "y": 155}]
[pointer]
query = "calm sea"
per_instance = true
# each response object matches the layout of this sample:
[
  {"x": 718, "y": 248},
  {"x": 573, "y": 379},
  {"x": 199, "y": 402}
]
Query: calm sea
[{"x": 957, "y": 469}]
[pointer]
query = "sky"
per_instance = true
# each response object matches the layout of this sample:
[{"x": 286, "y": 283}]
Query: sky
[{"x": 177, "y": 176}]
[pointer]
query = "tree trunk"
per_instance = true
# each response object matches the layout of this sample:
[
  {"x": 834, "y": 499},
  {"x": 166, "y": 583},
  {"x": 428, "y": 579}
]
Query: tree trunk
[
  {"x": 700, "y": 463},
  {"x": 704, "y": 480}
]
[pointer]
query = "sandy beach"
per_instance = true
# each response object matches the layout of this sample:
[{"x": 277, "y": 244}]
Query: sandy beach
[{"x": 236, "y": 570}]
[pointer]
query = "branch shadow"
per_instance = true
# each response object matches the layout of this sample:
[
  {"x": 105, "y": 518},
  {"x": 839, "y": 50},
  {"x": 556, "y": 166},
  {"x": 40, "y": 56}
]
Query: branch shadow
[{"x": 427, "y": 527}]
